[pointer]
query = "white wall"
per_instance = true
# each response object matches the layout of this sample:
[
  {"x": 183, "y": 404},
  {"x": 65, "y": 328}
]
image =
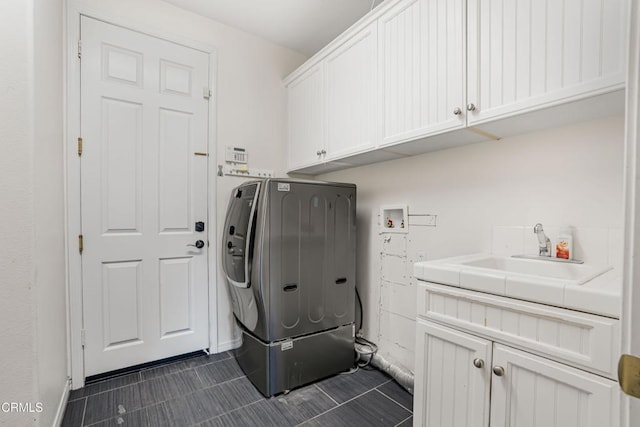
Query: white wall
[
  {"x": 33, "y": 350},
  {"x": 250, "y": 100},
  {"x": 17, "y": 356},
  {"x": 48, "y": 201},
  {"x": 570, "y": 176}
]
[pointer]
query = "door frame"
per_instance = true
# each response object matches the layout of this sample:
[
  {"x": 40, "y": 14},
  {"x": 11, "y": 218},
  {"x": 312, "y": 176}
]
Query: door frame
[
  {"x": 630, "y": 407},
  {"x": 71, "y": 111}
]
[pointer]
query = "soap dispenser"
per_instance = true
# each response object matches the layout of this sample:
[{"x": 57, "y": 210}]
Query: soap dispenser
[{"x": 564, "y": 245}]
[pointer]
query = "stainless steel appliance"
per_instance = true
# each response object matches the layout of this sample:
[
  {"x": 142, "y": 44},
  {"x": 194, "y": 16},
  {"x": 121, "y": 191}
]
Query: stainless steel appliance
[{"x": 289, "y": 259}]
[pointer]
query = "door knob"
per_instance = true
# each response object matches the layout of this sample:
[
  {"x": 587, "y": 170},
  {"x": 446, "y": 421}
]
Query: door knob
[
  {"x": 498, "y": 371},
  {"x": 199, "y": 244},
  {"x": 478, "y": 363}
]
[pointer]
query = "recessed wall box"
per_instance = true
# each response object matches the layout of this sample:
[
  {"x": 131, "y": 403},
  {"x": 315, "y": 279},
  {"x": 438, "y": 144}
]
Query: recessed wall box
[{"x": 394, "y": 219}]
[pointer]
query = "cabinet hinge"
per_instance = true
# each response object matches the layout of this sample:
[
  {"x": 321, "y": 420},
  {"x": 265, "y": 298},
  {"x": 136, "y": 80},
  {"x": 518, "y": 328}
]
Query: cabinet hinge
[
  {"x": 79, "y": 49},
  {"x": 82, "y": 337},
  {"x": 79, "y": 146},
  {"x": 80, "y": 243},
  {"x": 206, "y": 93}
]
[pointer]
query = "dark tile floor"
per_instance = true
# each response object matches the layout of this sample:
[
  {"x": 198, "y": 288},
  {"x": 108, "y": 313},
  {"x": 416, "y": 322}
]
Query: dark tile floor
[{"x": 213, "y": 391}]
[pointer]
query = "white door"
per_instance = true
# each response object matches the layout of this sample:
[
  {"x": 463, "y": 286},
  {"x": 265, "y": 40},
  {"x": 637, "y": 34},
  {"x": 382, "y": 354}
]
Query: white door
[
  {"x": 536, "y": 392},
  {"x": 452, "y": 378},
  {"x": 144, "y": 186},
  {"x": 351, "y": 81}
]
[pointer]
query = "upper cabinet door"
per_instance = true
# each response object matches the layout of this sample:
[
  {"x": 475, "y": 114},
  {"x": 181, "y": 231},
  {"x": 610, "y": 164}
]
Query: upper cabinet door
[
  {"x": 422, "y": 68},
  {"x": 351, "y": 79},
  {"x": 526, "y": 54},
  {"x": 306, "y": 119}
]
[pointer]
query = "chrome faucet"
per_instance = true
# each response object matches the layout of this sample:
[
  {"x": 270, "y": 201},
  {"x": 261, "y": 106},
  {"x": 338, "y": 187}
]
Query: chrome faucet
[{"x": 544, "y": 244}]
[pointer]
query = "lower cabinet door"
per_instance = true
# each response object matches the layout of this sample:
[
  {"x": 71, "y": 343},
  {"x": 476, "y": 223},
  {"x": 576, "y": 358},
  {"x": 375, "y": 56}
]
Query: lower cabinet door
[
  {"x": 452, "y": 378},
  {"x": 531, "y": 391}
]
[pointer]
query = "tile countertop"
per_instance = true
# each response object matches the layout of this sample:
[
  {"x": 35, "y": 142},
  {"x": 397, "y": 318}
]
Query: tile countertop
[{"x": 601, "y": 295}]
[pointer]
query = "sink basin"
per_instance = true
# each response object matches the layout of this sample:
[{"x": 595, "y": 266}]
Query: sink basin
[
  {"x": 592, "y": 288},
  {"x": 576, "y": 273}
]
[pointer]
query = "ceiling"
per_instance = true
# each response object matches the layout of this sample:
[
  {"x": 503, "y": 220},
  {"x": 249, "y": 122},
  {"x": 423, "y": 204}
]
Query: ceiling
[{"x": 302, "y": 25}]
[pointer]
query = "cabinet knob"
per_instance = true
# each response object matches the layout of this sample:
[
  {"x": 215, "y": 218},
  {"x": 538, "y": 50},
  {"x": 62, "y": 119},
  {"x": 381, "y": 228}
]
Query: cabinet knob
[
  {"x": 478, "y": 363},
  {"x": 471, "y": 107},
  {"x": 498, "y": 371},
  {"x": 318, "y": 152},
  {"x": 323, "y": 151},
  {"x": 457, "y": 111}
]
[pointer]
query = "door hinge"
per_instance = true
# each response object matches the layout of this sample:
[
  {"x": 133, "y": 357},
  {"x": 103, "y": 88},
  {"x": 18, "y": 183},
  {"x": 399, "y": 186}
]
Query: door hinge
[
  {"x": 80, "y": 243},
  {"x": 79, "y": 146},
  {"x": 82, "y": 337},
  {"x": 79, "y": 49},
  {"x": 206, "y": 93}
]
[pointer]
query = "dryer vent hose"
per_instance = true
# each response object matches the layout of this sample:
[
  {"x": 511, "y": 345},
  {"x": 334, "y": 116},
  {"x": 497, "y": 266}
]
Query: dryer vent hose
[{"x": 368, "y": 354}]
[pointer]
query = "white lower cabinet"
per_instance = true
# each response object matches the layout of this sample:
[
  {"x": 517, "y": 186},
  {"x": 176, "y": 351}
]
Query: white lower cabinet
[{"x": 466, "y": 381}]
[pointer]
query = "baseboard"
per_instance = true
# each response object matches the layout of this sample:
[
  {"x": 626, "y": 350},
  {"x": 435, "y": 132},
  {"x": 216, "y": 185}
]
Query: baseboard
[
  {"x": 57, "y": 421},
  {"x": 229, "y": 345}
]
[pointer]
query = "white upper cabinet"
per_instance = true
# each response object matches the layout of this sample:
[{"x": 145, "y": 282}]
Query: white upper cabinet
[
  {"x": 351, "y": 82},
  {"x": 422, "y": 68},
  {"x": 306, "y": 119},
  {"x": 418, "y": 75},
  {"x": 529, "y": 54}
]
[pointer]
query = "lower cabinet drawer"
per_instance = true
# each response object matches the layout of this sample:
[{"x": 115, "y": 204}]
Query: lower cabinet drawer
[{"x": 579, "y": 339}]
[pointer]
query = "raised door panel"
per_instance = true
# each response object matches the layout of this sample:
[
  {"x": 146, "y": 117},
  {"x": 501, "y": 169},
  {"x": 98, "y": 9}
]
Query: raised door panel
[
  {"x": 537, "y": 392},
  {"x": 306, "y": 119},
  {"x": 422, "y": 68},
  {"x": 449, "y": 389},
  {"x": 351, "y": 77},
  {"x": 527, "y": 54}
]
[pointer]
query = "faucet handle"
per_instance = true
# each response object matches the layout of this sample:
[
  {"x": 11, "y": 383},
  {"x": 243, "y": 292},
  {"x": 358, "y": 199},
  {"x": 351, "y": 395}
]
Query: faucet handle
[{"x": 537, "y": 228}]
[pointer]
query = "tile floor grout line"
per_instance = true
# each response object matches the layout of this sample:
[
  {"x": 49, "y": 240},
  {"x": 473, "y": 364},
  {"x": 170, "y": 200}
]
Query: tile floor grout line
[
  {"x": 228, "y": 412},
  {"x": 406, "y": 419},
  {"x": 84, "y": 411},
  {"x": 339, "y": 405},
  {"x": 353, "y": 398},
  {"x": 142, "y": 379},
  {"x": 326, "y": 394},
  {"x": 105, "y": 391},
  {"x": 198, "y": 376},
  {"x": 132, "y": 384},
  {"x": 185, "y": 395},
  {"x": 204, "y": 386},
  {"x": 392, "y": 399},
  {"x": 156, "y": 403}
]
